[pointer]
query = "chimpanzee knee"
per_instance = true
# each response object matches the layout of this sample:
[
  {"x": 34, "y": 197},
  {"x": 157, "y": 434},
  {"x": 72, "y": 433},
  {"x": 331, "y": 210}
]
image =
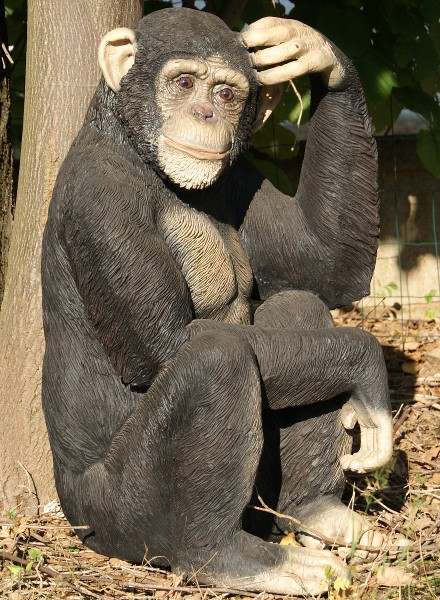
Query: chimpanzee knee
[{"x": 295, "y": 310}]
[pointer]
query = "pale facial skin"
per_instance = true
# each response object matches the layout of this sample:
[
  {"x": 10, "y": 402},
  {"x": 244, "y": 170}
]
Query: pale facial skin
[{"x": 201, "y": 103}]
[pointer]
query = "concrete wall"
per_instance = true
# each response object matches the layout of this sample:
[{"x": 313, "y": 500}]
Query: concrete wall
[{"x": 409, "y": 249}]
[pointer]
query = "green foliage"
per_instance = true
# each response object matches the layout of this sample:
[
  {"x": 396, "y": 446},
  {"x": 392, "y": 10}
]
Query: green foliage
[
  {"x": 388, "y": 290},
  {"x": 429, "y": 299},
  {"x": 11, "y": 514},
  {"x": 15, "y": 570},
  {"x": 428, "y": 148}
]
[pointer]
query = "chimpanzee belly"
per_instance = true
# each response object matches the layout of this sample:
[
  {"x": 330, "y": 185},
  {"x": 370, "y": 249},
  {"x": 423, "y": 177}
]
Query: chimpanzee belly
[{"x": 212, "y": 261}]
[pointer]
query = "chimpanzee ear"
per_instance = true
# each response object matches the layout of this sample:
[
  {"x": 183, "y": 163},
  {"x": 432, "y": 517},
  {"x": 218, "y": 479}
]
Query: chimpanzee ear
[
  {"x": 270, "y": 95},
  {"x": 116, "y": 55}
]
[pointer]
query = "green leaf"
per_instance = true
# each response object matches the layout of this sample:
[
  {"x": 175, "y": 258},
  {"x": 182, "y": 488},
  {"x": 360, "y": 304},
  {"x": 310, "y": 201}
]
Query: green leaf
[
  {"x": 434, "y": 33},
  {"x": 430, "y": 296},
  {"x": 430, "y": 10},
  {"x": 15, "y": 569},
  {"x": 384, "y": 114},
  {"x": 418, "y": 53},
  {"x": 428, "y": 149},
  {"x": 35, "y": 554},
  {"x": 376, "y": 75},
  {"x": 348, "y": 28},
  {"x": 406, "y": 20},
  {"x": 417, "y": 100}
]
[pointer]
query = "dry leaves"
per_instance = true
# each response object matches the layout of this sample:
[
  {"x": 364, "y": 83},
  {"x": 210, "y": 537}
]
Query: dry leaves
[{"x": 393, "y": 577}]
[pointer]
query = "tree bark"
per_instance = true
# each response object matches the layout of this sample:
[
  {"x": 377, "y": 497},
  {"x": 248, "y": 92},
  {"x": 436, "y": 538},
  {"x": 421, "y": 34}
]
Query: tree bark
[
  {"x": 61, "y": 74},
  {"x": 6, "y": 205}
]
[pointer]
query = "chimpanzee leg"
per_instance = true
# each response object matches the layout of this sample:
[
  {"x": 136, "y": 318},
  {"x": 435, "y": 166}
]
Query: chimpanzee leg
[
  {"x": 311, "y": 438},
  {"x": 180, "y": 472},
  {"x": 300, "y": 473}
]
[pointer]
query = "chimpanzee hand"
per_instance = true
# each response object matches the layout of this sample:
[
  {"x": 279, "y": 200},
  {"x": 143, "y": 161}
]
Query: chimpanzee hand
[
  {"x": 307, "y": 50},
  {"x": 376, "y": 438}
]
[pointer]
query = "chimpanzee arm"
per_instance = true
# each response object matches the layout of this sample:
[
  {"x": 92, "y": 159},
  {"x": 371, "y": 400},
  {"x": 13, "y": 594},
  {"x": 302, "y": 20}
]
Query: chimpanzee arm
[
  {"x": 132, "y": 290},
  {"x": 324, "y": 240}
]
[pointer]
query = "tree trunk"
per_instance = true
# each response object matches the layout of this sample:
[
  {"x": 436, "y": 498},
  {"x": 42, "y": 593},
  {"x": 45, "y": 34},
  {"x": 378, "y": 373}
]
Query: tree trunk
[
  {"x": 5, "y": 151},
  {"x": 61, "y": 74}
]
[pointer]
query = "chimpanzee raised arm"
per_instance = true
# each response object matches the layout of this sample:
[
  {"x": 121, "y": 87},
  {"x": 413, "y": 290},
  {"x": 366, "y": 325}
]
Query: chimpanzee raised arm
[{"x": 332, "y": 225}]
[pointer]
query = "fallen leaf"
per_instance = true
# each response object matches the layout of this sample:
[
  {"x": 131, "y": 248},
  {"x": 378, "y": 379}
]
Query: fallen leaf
[
  {"x": 431, "y": 454},
  {"x": 393, "y": 577},
  {"x": 117, "y": 562},
  {"x": 435, "y": 478},
  {"x": 401, "y": 542},
  {"x": 411, "y": 346},
  {"x": 434, "y": 353},
  {"x": 423, "y": 523},
  {"x": 289, "y": 540},
  {"x": 410, "y": 368}
]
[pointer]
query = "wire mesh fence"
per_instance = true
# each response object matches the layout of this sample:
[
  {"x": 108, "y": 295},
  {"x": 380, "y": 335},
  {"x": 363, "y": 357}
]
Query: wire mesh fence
[{"x": 406, "y": 281}]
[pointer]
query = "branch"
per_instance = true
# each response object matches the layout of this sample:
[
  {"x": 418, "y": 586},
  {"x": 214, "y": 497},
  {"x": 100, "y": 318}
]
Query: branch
[
  {"x": 4, "y": 52},
  {"x": 307, "y": 529}
]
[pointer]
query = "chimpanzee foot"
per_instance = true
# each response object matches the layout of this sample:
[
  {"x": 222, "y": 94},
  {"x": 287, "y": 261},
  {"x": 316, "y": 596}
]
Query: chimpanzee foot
[
  {"x": 250, "y": 564},
  {"x": 332, "y": 519}
]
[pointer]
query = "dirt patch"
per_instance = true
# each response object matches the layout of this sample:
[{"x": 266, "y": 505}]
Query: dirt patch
[{"x": 42, "y": 558}]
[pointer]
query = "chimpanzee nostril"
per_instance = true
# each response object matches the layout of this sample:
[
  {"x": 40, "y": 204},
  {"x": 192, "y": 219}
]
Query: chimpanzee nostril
[{"x": 203, "y": 112}]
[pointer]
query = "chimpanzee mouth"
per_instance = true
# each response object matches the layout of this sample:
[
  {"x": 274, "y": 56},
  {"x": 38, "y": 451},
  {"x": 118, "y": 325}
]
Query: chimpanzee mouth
[{"x": 201, "y": 152}]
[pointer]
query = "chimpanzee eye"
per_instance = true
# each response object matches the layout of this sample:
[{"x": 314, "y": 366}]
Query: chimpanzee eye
[
  {"x": 226, "y": 94},
  {"x": 185, "y": 82}
]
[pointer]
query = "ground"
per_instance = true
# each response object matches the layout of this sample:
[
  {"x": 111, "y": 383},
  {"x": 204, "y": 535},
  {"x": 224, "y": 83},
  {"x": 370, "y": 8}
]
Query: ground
[{"x": 41, "y": 557}]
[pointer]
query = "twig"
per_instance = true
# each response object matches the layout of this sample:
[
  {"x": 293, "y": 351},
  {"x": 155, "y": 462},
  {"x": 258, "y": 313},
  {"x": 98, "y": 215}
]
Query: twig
[
  {"x": 24, "y": 563},
  {"x": 427, "y": 401},
  {"x": 32, "y": 492},
  {"x": 6, "y": 53},
  {"x": 307, "y": 529},
  {"x": 50, "y": 527},
  {"x": 424, "y": 461},
  {"x": 301, "y": 109},
  {"x": 403, "y": 417}
]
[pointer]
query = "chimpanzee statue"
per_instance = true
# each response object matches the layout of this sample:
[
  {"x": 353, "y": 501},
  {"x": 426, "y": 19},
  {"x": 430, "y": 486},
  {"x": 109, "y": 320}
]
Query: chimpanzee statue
[{"x": 170, "y": 407}]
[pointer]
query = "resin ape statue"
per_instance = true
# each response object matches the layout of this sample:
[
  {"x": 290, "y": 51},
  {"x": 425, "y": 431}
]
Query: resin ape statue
[{"x": 168, "y": 404}]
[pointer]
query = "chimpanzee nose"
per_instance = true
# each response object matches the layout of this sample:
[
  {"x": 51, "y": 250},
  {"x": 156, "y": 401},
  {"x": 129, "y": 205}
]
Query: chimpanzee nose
[{"x": 203, "y": 112}]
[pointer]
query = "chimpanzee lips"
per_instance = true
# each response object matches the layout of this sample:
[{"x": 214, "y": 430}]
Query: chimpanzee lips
[{"x": 201, "y": 152}]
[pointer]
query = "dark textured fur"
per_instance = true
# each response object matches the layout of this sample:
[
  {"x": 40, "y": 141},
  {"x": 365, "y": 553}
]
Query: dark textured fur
[{"x": 155, "y": 417}]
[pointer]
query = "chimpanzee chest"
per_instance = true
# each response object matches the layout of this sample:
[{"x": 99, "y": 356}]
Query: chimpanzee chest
[{"x": 213, "y": 262}]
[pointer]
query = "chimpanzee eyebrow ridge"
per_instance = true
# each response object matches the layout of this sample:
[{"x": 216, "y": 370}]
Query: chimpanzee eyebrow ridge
[{"x": 203, "y": 68}]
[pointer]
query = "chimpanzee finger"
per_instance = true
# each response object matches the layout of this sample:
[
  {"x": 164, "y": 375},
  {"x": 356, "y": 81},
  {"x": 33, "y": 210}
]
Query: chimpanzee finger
[
  {"x": 277, "y": 54},
  {"x": 313, "y": 62},
  {"x": 253, "y": 38}
]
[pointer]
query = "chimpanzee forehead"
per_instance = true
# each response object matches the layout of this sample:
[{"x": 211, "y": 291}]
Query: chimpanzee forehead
[{"x": 189, "y": 32}]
